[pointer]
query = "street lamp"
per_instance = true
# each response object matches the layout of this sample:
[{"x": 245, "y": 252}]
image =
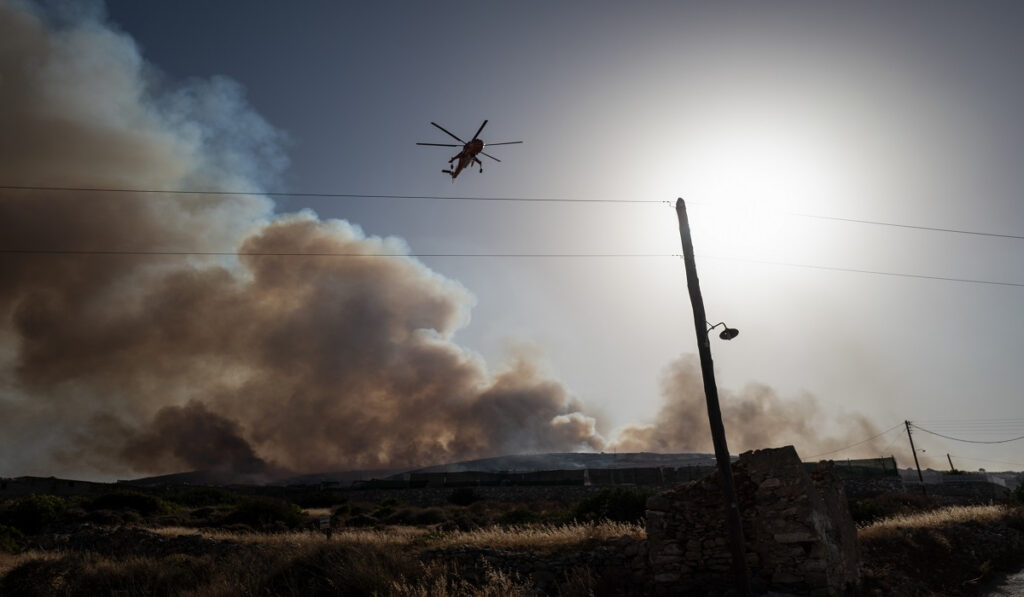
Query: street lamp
[
  {"x": 728, "y": 333},
  {"x": 734, "y": 524}
]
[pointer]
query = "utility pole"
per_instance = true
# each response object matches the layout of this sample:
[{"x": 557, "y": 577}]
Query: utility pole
[
  {"x": 700, "y": 322},
  {"x": 952, "y": 468},
  {"x": 916, "y": 463}
]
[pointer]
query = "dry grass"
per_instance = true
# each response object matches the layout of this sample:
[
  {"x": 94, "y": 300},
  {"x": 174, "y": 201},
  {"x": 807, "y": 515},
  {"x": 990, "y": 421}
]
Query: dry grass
[
  {"x": 947, "y": 551},
  {"x": 543, "y": 537},
  {"x": 10, "y": 561},
  {"x": 357, "y": 536},
  {"x": 540, "y": 537},
  {"x": 932, "y": 519},
  {"x": 442, "y": 580}
]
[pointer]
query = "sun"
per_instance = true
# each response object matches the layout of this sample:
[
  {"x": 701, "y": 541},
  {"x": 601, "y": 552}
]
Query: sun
[{"x": 743, "y": 185}]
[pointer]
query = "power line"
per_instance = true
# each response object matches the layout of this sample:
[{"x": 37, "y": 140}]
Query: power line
[
  {"x": 324, "y": 254},
  {"x": 984, "y": 460},
  {"x": 997, "y": 427},
  {"x": 968, "y": 441},
  {"x": 141, "y": 253},
  {"x": 331, "y": 195},
  {"x": 909, "y": 226},
  {"x": 866, "y": 271},
  {"x": 878, "y": 222},
  {"x": 972, "y": 422},
  {"x": 856, "y": 444}
]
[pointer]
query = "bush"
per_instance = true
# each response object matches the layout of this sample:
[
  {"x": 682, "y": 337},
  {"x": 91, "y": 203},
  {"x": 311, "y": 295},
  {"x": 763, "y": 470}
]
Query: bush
[
  {"x": 518, "y": 516},
  {"x": 11, "y": 539},
  {"x": 620, "y": 504},
  {"x": 92, "y": 574},
  {"x": 887, "y": 505},
  {"x": 146, "y": 505},
  {"x": 207, "y": 496},
  {"x": 263, "y": 511},
  {"x": 464, "y": 496},
  {"x": 32, "y": 513},
  {"x": 319, "y": 499},
  {"x": 1018, "y": 494},
  {"x": 411, "y": 515}
]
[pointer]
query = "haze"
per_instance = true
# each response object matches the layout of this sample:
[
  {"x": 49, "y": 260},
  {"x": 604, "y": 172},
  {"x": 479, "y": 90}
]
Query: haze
[{"x": 758, "y": 114}]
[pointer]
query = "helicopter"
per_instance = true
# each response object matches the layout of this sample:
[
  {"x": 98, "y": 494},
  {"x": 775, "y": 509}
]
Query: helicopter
[{"x": 470, "y": 150}]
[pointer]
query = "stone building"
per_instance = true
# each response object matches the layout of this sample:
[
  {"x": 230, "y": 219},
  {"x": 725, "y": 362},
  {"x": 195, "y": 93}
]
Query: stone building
[{"x": 799, "y": 536}]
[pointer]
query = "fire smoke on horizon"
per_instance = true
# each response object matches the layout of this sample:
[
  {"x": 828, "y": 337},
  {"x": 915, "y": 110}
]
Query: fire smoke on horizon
[{"x": 118, "y": 363}]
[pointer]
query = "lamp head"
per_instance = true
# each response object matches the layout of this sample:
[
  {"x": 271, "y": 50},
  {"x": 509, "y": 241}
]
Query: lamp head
[{"x": 729, "y": 333}]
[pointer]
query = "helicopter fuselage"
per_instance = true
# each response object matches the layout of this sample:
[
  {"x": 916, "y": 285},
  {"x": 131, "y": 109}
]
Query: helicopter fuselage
[{"x": 467, "y": 156}]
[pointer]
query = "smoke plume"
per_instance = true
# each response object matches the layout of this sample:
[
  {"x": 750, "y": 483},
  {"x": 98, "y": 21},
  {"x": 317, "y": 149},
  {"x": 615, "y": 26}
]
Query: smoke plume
[
  {"x": 754, "y": 418},
  {"x": 120, "y": 360}
]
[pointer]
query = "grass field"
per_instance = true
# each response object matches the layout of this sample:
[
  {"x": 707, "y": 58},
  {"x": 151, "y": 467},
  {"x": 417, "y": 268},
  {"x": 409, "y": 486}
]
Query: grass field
[{"x": 917, "y": 550}]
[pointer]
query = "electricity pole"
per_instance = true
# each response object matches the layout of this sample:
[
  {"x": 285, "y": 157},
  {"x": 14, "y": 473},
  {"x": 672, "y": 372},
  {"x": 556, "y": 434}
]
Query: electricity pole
[
  {"x": 914, "y": 452},
  {"x": 700, "y": 322}
]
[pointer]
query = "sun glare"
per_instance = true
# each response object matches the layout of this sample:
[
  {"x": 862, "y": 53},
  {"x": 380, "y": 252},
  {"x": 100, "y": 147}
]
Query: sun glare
[{"x": 742, "y": 184}]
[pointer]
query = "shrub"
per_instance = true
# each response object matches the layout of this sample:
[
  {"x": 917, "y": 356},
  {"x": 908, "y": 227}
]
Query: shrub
[
  {"x": 886, "y": 505},
  {"x": 518, "y": 516},
  {"x": 464, "y": 496},
  {"x": 11, "y": 539},
  {"x": 93, "y": 574},
  {"x": 319, "y": 499},
  {"x": 620, "y": 504},
  {"x": 206, "y": 496},
  {"x": 1018, "y": 493},
  {"x": 411, "y": 515},
  {"x": 144, "y": 504},
  {"x": 264, "y": 511},
  {"x": 32, "y": 513}
]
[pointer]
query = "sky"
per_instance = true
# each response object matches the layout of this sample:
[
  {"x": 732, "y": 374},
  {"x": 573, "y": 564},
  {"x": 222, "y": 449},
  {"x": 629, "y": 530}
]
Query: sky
[{"x": 851, "y": 173}]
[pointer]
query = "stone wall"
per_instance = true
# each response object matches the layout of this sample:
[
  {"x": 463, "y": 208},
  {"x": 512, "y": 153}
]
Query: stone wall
[{"x": 800, "y": 538}]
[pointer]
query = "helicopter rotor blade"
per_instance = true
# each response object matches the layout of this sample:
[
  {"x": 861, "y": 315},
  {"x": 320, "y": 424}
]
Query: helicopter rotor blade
[
  {"x": 479, "y": 129},
  {"x": 451, "y": 134},
  {"x": 440, "y": 144},
  {"x": 502, "y": 143},
  {"x": 490, "y": 156}
]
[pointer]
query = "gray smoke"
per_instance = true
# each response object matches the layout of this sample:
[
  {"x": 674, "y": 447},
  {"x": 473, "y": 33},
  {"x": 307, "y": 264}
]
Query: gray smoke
[{"x": 755, "y": 417}]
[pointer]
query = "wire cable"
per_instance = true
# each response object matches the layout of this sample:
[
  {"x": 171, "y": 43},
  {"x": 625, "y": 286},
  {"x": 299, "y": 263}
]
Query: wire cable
[
  {"x": 490, "y": 256},
  {"x": 909, "y": 226},
  {"x": 331, "y": 195},
  {"x": 865, "y": 271},
  {"x": 968, "y": 441},
  {"x": 326, "y": 254},
  {"x": 984, "y": 460},
  {"x": 856, "y": 444}
]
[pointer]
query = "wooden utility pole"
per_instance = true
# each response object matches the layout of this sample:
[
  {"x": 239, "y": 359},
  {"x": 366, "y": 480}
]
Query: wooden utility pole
[
  {"x": 920, "y": 477},
  {"x": 700, "y": 322}
]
